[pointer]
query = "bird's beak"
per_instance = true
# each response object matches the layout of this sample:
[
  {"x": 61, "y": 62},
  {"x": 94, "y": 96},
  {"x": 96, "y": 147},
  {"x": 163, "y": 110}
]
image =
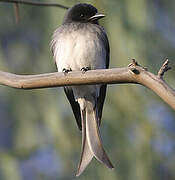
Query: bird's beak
[{"x": 96, "y": 17}]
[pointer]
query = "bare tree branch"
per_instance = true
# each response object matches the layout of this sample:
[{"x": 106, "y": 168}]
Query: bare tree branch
[
  {"x": 134, "y": 73},
  {"x": 35, "y": 3}
]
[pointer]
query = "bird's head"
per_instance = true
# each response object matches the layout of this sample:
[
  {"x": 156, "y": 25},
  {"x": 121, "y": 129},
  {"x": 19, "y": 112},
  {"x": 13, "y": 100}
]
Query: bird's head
[{"x": 82, "y": 13}]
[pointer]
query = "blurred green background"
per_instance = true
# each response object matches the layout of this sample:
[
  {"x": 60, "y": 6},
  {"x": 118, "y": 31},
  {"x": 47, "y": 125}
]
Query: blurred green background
[{"x": 39, "y": 139}]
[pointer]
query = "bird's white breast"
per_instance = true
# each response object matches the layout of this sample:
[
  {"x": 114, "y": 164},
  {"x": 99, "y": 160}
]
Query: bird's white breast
[{"x": 79, "y": 48}]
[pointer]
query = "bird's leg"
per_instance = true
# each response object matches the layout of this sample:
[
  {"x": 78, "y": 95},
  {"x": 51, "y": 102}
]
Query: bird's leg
[
  {"x": 84, "y": 69},
  {"x": 65, "y": 71}
]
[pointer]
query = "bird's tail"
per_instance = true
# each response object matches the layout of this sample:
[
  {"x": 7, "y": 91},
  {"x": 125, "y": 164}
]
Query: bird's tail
[{"x": 91, "y": 140}]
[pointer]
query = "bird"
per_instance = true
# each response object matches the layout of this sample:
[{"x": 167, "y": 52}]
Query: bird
[{"x": 81, "y": 44}]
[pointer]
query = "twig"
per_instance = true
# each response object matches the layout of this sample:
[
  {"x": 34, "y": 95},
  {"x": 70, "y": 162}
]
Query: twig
[
  {"x": 163, "y": 69},
  {"x": 132, "y": 66},
  {"x": 102, "y": 76},
  {"x": 35, "y": 3}
]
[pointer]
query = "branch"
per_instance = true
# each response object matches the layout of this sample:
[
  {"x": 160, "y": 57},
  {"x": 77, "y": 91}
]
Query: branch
[
  {"x": 134, "y": 73},
  {"x": 163, "y": 69},
  {"x": 34, "y": 3}
]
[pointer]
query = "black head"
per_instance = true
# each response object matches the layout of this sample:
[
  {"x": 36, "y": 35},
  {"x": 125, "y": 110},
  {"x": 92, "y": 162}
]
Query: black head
[{"x": 82, "y": 13}]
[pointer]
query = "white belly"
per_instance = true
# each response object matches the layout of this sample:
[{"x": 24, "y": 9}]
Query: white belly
[{"x": 78, "y": 50}]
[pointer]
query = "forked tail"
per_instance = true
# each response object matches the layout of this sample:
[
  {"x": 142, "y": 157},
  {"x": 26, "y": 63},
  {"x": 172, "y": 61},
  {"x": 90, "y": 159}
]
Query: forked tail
[{"x": 91, "y": 141}]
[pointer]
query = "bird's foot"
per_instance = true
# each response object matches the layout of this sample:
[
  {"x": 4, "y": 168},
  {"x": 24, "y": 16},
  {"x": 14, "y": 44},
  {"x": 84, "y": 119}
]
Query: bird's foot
[
  {"x": 84, "y": 69},
  {"x": 65, "y": 71}
]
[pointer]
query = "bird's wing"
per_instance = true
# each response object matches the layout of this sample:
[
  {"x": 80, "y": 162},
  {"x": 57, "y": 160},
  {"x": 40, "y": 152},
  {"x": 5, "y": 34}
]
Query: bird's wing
[
  {"x": 74, "y": 104},
  {"x": 102, "y": 95},
  {"x": 53, "y": 44},
  {"x": 100, "y": 102}
]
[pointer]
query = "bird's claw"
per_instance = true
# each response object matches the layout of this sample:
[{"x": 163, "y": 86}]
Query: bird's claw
[
  {"x": 84, "y": 69},
  {"x": 65, "y": 71}
]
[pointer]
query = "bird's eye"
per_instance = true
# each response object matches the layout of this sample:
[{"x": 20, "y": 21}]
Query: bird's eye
[{"x": 81, "y": 15}]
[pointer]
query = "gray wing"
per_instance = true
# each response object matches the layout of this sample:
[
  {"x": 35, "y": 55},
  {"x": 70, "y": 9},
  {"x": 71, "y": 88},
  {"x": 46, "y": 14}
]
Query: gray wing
[
  {"x": 74, "y": 104},
  {"x": 102, "y": 95}
]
